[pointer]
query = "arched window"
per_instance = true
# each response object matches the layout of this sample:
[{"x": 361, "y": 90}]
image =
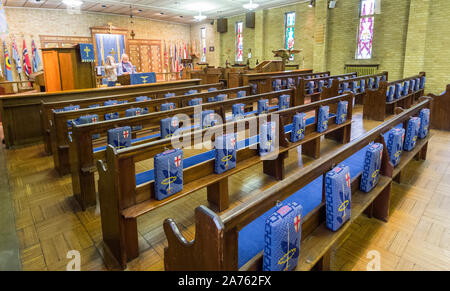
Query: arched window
[
  {"x": 365, "y": 31},
  {"x": 289, "y": 32},
  {"x": 203, "y": 44},
  {"x": 239, "y": 41}
]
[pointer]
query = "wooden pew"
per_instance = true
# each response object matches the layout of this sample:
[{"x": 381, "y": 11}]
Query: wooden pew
[
  {"x": 215, "y": 246},
  {"x": 81, "y": 148},
  {"x": 122, "y": 201},
  {"x": 59, "y": 129},
  {"x": 21, "y": 113},
  {"x": 359, "y": 95},
  {"x": 376, "y": 106},
  {"x": 48, "y": 107},
  {"x": 440, "y": 117}
]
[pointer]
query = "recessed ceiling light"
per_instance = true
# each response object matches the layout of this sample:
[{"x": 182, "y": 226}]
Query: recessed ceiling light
[
  {"x": 139, "y": 10},
  {"x": 200, "y": 17},
  {"x": 162, "y": 13},
  {"x": 251, "y": 5},
  {"x": 72, "y": 3},
  {"x": 104, "y": 6}
]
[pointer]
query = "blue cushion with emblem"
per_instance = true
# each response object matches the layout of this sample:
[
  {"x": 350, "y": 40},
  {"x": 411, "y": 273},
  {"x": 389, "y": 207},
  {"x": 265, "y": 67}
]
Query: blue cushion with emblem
[
  {"x": 119, "y": 137},
  {"x": 86, "y": 119},
  {"x": 417, "y": 88},
  {"x": 310, "y": 87},
  {"x": 362, "y": 85},
  {"x": 341, "y": 115},
  {"x": 195, "y": 102},
  {"x": 377, "y": 81},
  {"x": 422, "y": 82},
  {"x": 263, "y": 106},
  {"x": 221, "y": 97},
  {"x": 167, "y": 106},
  {"x": 406, "y": 88},
  {"x": 168, "y": 173},
  {"x": 241, "y": 94},
  {"x": 390, "y": 93},
  {"x": 276, "y": 84},
  {"x": 122, "y": 102},
  {"x": 142, "y": 98},
  {"x": 211, "y": 99},
  {"x": 225, "y": 153},
  {"x": 412, "y": 132},
  {"x": 330, "y": 82},
  {"x": 338, "y": 197},
  {"x": 134, "y": 112},
  {"x": 212, "y": 89},
  {"x": 372, "y": 165},
  {"x": 267, "y": 137},
  {"x": 110, "y": 116},
  {"x": 110, "y": 102},
  {"x": 320, "y": 85},
  {"x": 424, "y": 116},
  {"x": 283, "y": 102},
  {"x": 169, "y": 95},
  {"x": 168, "y": 127},
  {"x": 282, "y": 236},
  {"x": 298, "y": 127},
  {"x": 190, "y": 92},
  {"x": 208, "y": 119},
  {"x": 345, "y": 87},
  {"x": 398, "y": 90},
  {"x": 94, "y": 106},
  {"x": 322, "y": 120},
  {"x": 354, "y": 87},
  {"x": 238, "y": 111},
  {"x": 413, "y": 85},
  {"x": 370, "y": 83},
  {"x": 395, "y": 144},
  {"x": 290, "y": 82},
  {"x": 72, "y": 108}
]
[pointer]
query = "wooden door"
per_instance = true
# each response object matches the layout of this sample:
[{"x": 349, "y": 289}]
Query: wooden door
[
  {"x": 67, "y": 68},
  {"x": 51, "y": 71}
]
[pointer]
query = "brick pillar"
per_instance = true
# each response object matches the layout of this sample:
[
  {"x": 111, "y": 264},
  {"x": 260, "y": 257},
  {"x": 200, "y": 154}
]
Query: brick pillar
[
  {"x": 419, "y": 12},
  {"x": 320, "y": 35},
  {"x": 258, "y": 52}
]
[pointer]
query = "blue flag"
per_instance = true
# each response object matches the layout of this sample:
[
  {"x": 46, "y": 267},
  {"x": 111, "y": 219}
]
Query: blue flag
[{"x": 8, "y": 72}]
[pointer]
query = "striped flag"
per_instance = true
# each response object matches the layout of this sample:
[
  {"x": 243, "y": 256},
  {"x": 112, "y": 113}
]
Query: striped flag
[
  {"x": 35, "y": 55},
  {"x": 16, "y": 57},
  {"x": 8, "y": 72},
  {"x": 26, "y": 60}
]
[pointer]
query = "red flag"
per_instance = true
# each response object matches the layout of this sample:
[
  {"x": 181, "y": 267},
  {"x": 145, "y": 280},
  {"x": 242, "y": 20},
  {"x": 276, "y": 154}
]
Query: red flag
[{"x": 26, "y": 60}]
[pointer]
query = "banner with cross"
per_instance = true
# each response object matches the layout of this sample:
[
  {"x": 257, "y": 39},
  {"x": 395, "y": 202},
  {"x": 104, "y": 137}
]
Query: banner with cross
[{"x": 87, "y": 53}]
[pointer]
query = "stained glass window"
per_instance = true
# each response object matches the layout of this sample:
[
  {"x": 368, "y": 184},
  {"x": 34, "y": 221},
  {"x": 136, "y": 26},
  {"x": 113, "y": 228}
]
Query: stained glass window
[
  {"x": 289, "y": 28},
  {"x": 366, "y": 25},
  {"x": 239, "y": 42},
  {"x": 203, "y": 43}
]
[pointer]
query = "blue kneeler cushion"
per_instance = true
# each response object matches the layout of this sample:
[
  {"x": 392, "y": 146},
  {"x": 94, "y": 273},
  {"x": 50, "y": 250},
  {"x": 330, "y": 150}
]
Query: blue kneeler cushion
[
  {"x": 191, "y": 92},
  {"x": 208, "y": 118},
  {"x": 417, "y": 85},
  {"x": 86, "y": 119},
  {"x": 238, "y": 111},
  {"x": 283, "y": 102},
  {"x": 310, "y": 87},
  {"x": 134, "y": 112},
  {"x": 169, "y": 95},
  {"x": 212, "y": 89},
  {"x": 94, "y": 106},
  {"x": 168, "y": 127},
  {"x": 298, "y": 127},
  {"x": 110, "y": 103},
  {"x": 119, "y": 137},
  {"x": 322, "y": 122},
  {"x": 338, "y": 197},
  {"x": 225, "y": 150},
  {"x": 168, "y": 173},
  {"x": 142, "y": 98},
  {"x": 195, "y": 102},
  {"x": 413, "y": 85},
  {"x": 395, "y": 144},
  {"x": 422, "y": 82},
  {"x": 398, "y": 91},
  {"x": 424, "y": 116},
  {"x": 266, "y": 137},
  {"x": 405, "y": 88},
  {"x": 362, "y": 85},
  {"x": 110, "y": 116},
  {"x": 412, "y": 133},
  {"x": 72, "y": 108},
  {"x": 390, "y": 93},
  {"x": 372, "y": 166},
  {"x": 221, "y": 97},
  {"x": 282, "y": 236},
  {"x": 320, "y": 85},
  {"x": 167, "y": 106},
  {"x": 341, "y": 115},
  {"x": 241, "y": 94},
  {"x": 263, "y": 106},
  {"x": 276, "y": 85}
]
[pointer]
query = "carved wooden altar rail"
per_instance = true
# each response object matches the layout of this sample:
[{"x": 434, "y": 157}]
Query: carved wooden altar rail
[
  {"x": 48, "y": 107},
  {"x": 21, "y": 113},
  {"x": 376, "y": 106},
  {"x": 215, "y": 246},
  {"x": 81, "y": 147},
  {"x": 122, "y": 201}
]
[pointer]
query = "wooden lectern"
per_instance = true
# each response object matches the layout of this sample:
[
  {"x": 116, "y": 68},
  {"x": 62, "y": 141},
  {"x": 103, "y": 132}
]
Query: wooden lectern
[{"x": 63, "y": 70}]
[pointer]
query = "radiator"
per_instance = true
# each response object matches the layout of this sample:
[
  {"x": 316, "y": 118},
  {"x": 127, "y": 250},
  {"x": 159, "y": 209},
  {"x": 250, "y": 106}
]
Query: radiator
[{"x": 362, "y": 70}]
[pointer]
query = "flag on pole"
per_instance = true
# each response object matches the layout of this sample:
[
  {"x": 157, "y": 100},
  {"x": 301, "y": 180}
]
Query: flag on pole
[
  {"x": 35, "y": 54},
  {"x": 185, "y": 51},
  {"x": 3, "y": 23},
  {"x": 8, "y": 72},
  {"x": 26, "y": 60},
  {"x": 16, "y": 57}
]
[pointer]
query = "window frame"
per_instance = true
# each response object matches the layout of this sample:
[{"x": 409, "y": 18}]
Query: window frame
[
  {"x": 236, "y": 53},
  {"x": 360, "y": 18},
  {"x": 286, "y": 26},
  {"x": 203, "y": 45}
]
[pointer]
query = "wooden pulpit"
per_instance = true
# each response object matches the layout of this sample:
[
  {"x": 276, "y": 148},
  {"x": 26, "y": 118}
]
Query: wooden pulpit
[{"x": 63, "y": 70}]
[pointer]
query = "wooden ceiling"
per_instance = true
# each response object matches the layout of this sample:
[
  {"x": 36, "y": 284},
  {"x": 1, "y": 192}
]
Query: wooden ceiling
[{"x": 169, "y": 10}]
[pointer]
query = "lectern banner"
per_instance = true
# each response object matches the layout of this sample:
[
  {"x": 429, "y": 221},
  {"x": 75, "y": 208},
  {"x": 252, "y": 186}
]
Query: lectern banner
[
  {"x": 142, "y": 78},
  {"x": 87, "y": 53}
]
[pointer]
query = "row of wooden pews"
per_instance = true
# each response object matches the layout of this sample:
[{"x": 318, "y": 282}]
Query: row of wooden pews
[
  {"x": 235, "y": 239},
  {"x": 126, "y": 195}
]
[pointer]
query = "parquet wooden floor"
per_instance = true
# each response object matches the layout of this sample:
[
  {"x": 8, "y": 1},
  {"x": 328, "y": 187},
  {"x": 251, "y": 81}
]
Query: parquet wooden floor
[{"x": 49, "y": 222}]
